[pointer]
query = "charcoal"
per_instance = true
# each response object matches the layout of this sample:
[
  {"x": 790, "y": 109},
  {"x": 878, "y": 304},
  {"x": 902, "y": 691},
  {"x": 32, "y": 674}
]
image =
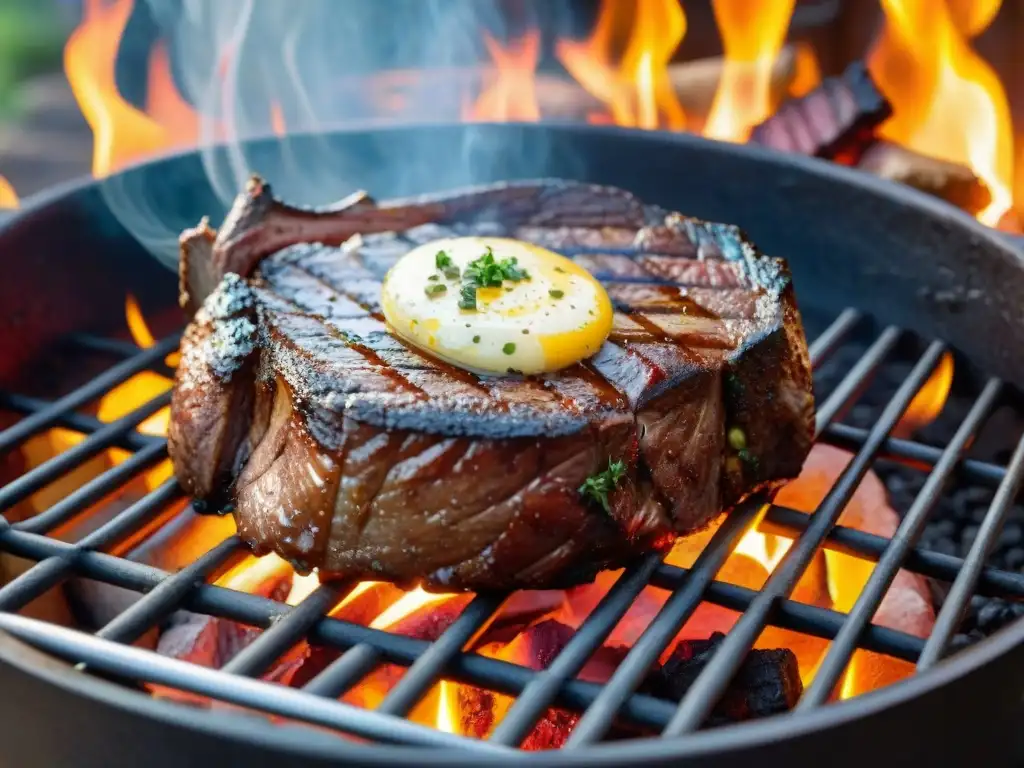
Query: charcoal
[
  {"x": 767, "y": 683},
  {"x": 837, "y": 120},
  {"x": 1014, "y": 559}
]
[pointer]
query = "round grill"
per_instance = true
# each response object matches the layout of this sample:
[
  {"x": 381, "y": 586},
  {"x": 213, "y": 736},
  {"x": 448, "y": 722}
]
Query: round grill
[{"x": 878, "y": 270}]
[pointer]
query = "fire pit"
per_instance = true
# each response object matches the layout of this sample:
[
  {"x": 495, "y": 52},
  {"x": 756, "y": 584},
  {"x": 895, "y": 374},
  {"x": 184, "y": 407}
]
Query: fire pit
[{"x": 187, "y": 649}]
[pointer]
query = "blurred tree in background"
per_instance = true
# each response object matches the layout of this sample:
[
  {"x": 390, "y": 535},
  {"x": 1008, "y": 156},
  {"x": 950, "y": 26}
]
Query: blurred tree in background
[{"x": 32, "y": 35}]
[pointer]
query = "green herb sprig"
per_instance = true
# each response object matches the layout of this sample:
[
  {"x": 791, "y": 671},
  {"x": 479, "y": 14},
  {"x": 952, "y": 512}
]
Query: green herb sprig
[
  {"x": 444, "y": 263},
  {"x": 598, "y": 486},
  {"x": 488, "y": 272}
]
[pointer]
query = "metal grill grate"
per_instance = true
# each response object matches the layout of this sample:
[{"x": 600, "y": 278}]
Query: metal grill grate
[{"x": 110, "y": 651}]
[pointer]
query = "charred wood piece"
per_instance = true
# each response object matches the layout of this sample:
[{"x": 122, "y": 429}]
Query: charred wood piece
[{"x": 836, "y": 121}]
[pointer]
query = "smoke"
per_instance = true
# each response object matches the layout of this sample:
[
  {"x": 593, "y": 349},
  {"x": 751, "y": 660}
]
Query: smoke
[{"x": 320, "y": 66}]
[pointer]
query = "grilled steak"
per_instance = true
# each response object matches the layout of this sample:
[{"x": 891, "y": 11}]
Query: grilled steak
[{"x": 343, "y": 449}]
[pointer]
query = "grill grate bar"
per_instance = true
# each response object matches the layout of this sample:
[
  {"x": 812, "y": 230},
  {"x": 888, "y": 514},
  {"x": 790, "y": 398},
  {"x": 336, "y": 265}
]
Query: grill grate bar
[
  {"x": 78, "y": 422},
  {"x": 856, "y": 380},
  {"x": 25, "y": 588},
  {"x": 711, "y": 683},
  {"x": 867, "y": 546},
  {"x": 833, "y": 336},
  {"x": 139, "y": 664},
  {"x": 168, "y": 594},
  {"x": 960, "y": 593},
  {"x": 30, "y": 482},
  {"x": 275, "y": 642},
  {"x": 535, "y": 699},
  {"x": 470, "y": 668},
  {"x": 597, "y": 719},
  {"x": 118, "y": 374},
  {"x": 426, "y": 670},
  {"x": 91, "y": 343},
  {"x": 909, "y": 452},
  {"x": 800, "y": 617},
  {"x": 428, "y": 662},
  {"x": 841, "y": 649},
  {"x": 255, "y": 610},
  {"x": 77, "y": 501},
  {"x": 344, "y": 672}
]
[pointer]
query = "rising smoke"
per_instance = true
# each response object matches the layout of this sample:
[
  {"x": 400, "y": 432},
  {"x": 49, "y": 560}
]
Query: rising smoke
[{"x": 319, "y": 66}]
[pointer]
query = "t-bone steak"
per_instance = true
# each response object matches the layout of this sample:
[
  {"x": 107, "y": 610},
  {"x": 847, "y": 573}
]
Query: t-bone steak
[{"x": 341, "y": 448}]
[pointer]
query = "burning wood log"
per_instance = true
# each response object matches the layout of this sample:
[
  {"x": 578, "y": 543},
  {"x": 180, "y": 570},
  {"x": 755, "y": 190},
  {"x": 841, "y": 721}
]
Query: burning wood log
[
  {"x": 694, "y": 82},
  {"x": 951, "y": 182},
  {"x": 836, "y": 121}
]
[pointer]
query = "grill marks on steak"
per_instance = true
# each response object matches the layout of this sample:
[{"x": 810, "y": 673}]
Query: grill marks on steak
[{"x": 355, "y": 454}]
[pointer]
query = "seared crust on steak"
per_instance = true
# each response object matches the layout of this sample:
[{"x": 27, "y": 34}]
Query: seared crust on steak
[{"x": 343, "y": 449}]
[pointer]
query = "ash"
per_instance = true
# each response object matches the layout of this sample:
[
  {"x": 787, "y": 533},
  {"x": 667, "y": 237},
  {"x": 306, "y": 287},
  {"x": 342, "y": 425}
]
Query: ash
[{"x": 955, "y": 520}]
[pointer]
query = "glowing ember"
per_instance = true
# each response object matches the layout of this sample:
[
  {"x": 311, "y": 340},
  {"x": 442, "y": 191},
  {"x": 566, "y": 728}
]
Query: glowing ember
[
  {"x": 948, "y": 102},
  {"x": 638, "y": 91},
  {"x": 513, "y": 94},
  {"x": 752, "y": 35},
  {"x": 410, "y": 602},
  {"x": 8, "y": 197}
]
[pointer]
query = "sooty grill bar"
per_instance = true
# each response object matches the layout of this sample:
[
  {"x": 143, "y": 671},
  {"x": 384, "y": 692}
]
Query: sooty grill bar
[{"x": 97, "y": 556}]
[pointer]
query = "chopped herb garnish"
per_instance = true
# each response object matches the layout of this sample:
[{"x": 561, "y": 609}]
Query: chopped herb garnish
[
  {"x": 442, "y": 260},
  {"x": 737, "y": 439},
  {"x": 597, "y": 487},
  {"x": 476, "y": 339},
  {"x": 559, "y": 269},
  {"x": 555, "y": 293},
  {"x": 467, "y": 296},
  {"x": 434, "y": 277},
  {"x": 487, "y": 272},
  {"x": 526, "y": 331},
  {"x": 509, "y": 348},
  {"x": 435, "y": 289},
  {"x": 452, "y": 272}
]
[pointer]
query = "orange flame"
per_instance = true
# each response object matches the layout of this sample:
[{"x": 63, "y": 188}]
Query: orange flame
[
  {"x": 165, "y": 104},
  {"x": 752, "y": 35},
  {"x": 409, "y": 602},
  {"x": 121, "y": 133},
  {"x": 277, "y": 119},
  {"x": 513, "y": 94},
  {"x": 948, "y": 102},
  {"x": 638, "y": 92},
  {"x": 8, "y": 197},
  {"x": 807, "y": 74},
  {"x": 928, "y": 402}
]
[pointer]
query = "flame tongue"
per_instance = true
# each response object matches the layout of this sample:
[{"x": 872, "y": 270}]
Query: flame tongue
[
  {"x": 752, "y": 35},
  {"x": 512, "y": 95},
  {"x": 948, "y": 102},
  {"x": 8, "y": 197},
  {"x": 638, "y": 92}
]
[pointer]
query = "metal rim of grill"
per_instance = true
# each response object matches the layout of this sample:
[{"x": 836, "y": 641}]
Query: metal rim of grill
[{"x": 110, "y": 651}]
